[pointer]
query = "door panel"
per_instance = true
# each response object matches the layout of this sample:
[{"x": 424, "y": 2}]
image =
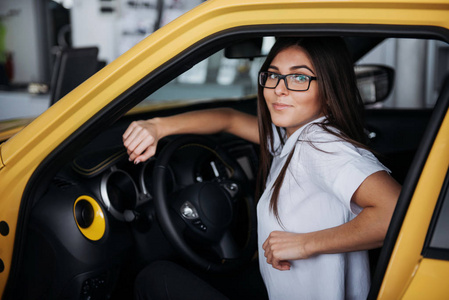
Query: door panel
[
  {"x": 406, "y": 255},
  {"x": 430, "y": 281}
]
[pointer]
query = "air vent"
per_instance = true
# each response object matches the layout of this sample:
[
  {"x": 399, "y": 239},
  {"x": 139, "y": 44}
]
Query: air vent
[{"x": 89, "y": 217}]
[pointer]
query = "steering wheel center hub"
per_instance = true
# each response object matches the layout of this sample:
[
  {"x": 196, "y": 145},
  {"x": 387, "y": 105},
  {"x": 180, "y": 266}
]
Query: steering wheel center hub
[{"x": 215, "y": 205}]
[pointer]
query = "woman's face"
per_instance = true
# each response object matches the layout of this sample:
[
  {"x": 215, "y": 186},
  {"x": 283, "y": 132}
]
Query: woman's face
[{"x": 292, "y": 109}]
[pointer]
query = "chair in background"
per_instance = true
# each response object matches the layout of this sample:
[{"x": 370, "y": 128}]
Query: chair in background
[{"x": 72, "y": 66}]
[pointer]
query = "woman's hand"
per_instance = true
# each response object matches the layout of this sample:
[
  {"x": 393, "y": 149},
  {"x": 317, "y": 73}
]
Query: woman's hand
[
  {"x": 140, "y": 139},
  {"x": 281, "y": 246}
]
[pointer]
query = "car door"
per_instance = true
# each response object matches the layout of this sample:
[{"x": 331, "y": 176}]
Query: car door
[{"x": 414, "y": 261}]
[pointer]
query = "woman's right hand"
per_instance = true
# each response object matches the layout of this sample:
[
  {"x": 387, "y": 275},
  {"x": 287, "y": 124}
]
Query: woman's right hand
[
  {"x": 141, "y": 137},
  {"x": 140, "y": 140}
]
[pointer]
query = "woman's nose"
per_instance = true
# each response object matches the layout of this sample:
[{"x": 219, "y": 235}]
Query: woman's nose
[{"x": 281, "y": 88}]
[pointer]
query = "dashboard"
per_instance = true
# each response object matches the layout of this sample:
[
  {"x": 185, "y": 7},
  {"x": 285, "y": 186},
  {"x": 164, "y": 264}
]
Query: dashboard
[
  {"x": 123, "y": 188},
  {"x": 98, "y": 217}
]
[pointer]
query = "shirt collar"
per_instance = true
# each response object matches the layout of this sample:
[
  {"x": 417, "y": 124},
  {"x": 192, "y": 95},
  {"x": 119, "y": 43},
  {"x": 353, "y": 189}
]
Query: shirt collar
[{"x": 291, "y": 141}]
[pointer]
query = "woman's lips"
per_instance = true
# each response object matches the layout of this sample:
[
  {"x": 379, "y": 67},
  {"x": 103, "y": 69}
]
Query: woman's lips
[{"x": 280, "y": 106}]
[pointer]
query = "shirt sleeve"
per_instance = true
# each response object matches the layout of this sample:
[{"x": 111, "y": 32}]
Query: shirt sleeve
[{"x": 336, "y": 166}]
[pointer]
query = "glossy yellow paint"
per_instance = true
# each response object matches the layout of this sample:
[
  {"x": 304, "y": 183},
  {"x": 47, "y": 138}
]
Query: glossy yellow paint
[
  {"x": 96, "y": 230},
  {"x": 406, "y": 256},
  {"x": 430, "y": 281},
  {"x": 1, "y": 161},
  {"x": 9, "y": 128},
  {"x": 27, "y": 149}
]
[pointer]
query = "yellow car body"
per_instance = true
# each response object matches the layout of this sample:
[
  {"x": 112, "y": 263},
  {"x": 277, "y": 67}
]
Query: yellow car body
[{"x": 409, "y": 275}]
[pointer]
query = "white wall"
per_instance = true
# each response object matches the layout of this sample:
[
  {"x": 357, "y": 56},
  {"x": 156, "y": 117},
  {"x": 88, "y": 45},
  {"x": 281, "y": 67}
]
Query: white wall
[
  {"x": 117, "y": 31},
  {"x": 91, "y": 27},
  {"x": 22, "y": 39}
]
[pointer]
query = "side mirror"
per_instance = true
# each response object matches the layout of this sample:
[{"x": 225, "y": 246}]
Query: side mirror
[{"x": 375, "y": 82}]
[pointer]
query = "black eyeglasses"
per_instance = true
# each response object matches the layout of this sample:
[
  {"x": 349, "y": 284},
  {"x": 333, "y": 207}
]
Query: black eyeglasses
[{"x": 293, "y": 82}]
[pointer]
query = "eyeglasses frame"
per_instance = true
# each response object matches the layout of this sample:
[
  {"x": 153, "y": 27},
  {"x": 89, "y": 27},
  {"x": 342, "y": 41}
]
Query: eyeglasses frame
[{"x": 284, "y": 77}]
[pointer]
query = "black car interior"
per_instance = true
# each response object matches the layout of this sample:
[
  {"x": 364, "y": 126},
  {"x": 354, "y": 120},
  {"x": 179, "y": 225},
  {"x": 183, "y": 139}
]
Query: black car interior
[{"x": 100, "y": 219}]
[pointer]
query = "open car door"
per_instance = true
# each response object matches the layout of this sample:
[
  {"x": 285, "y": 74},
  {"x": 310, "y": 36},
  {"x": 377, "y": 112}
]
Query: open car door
[{"x": 416, "y": 250}]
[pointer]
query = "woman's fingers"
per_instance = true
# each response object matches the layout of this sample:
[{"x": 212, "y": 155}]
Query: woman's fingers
[
  {"x": 280, "y": 247},
  {"x": 129, "y": 130},
  {"x": 145, "y": 154},
  {"x": 130, "y": 134},
  {"x": 140, "y": 141},
  {"x": 282, "y": 265},
  {"x": 276, "y": 263},
  {"x": 134, "y": 139},
  {"x": 270, "y": 246},
  {"x": 140, "y": 144}
]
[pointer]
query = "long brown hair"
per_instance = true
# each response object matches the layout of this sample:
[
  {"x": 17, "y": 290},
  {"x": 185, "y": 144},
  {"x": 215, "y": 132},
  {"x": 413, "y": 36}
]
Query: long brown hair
[{"x": 338, "y": 93}]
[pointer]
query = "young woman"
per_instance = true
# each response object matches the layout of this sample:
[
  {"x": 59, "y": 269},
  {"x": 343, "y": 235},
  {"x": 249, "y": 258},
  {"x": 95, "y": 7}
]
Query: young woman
[{"x": 325, "y": 198}]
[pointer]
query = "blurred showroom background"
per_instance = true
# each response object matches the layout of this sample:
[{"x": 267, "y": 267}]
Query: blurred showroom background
[{"x": 33, "y": 32}]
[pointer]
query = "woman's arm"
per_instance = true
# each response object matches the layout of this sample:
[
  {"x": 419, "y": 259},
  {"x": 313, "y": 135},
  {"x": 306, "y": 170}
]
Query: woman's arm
[
  {"x": 141, "y": 137},
  {"x": 377, "y": 195}
]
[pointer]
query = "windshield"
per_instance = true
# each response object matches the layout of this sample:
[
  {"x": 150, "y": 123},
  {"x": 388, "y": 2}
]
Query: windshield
[{"x": 217, "y": 77}]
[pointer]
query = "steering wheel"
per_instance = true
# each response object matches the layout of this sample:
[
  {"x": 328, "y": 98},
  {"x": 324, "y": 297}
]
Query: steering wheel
[{"x": 200, "y": 216}]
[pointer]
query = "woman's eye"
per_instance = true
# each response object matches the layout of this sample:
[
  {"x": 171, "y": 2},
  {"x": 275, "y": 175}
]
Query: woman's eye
[
  {"x": 272, "y": 76},
  {"x": 300, "y": 78}
]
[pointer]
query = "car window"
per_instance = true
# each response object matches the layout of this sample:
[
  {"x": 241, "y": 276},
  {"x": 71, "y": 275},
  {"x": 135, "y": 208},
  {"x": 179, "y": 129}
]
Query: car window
[
  {"x": 420, "y": 67},
  {"x": 437, "y": 245},
  {"x": 212, "y": 78},
  {"x": 216, "y": 77}
]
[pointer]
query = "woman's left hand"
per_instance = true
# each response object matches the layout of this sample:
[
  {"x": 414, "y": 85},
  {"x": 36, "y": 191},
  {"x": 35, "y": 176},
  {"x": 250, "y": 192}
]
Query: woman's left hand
[{"x": 281, "y": 246}]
